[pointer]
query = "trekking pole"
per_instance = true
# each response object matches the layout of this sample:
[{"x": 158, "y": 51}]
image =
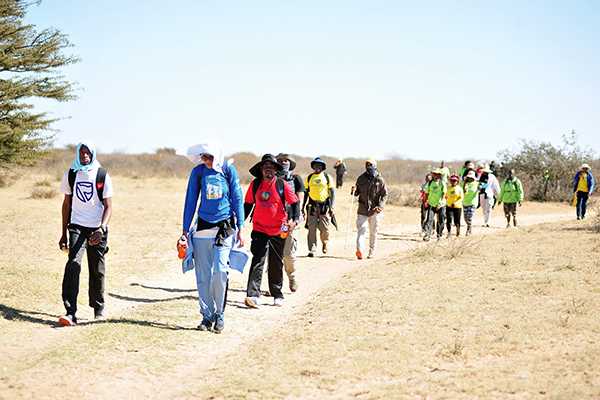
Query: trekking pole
[{"x": 349, "y": 224}]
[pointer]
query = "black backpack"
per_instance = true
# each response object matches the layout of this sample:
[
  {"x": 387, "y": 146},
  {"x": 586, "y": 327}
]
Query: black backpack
[{"x": 100, "y": 178}]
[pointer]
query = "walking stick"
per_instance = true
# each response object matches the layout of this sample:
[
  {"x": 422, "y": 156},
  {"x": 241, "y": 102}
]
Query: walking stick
[{"x": 349, "y": 224}]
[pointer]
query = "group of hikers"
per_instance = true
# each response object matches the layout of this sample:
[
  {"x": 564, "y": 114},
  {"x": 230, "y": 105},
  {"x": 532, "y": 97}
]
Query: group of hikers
[
  {"x": 445, "y": 197},
  {"x": 277, "y": 201}
]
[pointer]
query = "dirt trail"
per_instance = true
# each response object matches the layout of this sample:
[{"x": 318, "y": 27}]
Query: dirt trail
[{"x": 151, "y": 296}]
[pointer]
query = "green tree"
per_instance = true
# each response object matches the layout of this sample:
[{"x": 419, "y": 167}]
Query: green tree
[
  {"x": 545, "y": 169},
  {"x": 29, "y": 64}
]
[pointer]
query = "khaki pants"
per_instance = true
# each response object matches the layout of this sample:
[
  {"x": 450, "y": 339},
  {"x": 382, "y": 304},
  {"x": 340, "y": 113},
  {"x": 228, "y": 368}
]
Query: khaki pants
[
  {"x": 289, "y": 254},
  {"x": 361, "y": 225},
  {"x": 315, "y": 222}
]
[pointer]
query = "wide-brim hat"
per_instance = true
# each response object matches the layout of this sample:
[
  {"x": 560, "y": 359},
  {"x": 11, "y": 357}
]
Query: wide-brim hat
[
  {"x": 318, "y": 161},
  {"x": 256, "y": 170},
  {"x": 471, "y": 174},
  {"x": 285, "y": 156},
  {"x": 436, "y": 171},
  {"x": 371, "y": 161},
  {"x": 585, "y": 166}
]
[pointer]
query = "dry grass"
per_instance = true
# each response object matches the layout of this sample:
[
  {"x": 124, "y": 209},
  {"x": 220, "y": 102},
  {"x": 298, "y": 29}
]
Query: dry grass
[
  {"x": 43, "y": 192},
  {"x": 403, "y": 195},
  {"x": 476, "y": 326}
]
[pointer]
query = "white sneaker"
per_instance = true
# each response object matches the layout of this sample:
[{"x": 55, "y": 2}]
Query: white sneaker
[{"x": 278, "y": 302}]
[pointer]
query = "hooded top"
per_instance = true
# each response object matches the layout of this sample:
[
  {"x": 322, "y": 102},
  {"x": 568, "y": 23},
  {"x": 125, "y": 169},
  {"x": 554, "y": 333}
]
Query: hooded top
[{"x": 76, "y": 165}]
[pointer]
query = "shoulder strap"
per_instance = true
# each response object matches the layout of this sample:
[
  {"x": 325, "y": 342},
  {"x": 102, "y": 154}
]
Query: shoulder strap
[
  {"x": 100, "y": 179},
  {"x": 327, "y": 178},
  {"x": 72, "y": 175},
  {"x": 280, "y": 185},
  {"x": 255, "y": 184}
]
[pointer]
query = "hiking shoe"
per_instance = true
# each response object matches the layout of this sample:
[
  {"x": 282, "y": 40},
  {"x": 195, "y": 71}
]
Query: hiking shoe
[
  {"x": 251, "y": 302},
  {"x": 426, "y": 238},
  {"x": 99, "y": 314},
  {"x": 324, "y": 248},
  {"x": 311, "y": 254},
  {"x": 67, "y": 320},
  {"x": 293, "y": 285},
  {"x": 219, "y": 324},
  {"x": 278, "y": 302},
  {"x": 205, "y": 325},
  {"x": 359, "y": 255},
  {"x": 371, "y": 254}
]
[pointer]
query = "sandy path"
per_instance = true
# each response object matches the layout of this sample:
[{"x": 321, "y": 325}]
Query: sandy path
[{"x": 243, "y": 326}]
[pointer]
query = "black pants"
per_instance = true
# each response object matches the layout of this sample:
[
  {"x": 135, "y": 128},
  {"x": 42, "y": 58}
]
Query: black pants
[
  {"x": 78, "y": 243},
  {"x": 261, "y": 246},
  {"x": 339, "y": 181},
  {"x": 439, "y": 224},
  {"x": 453, "y": 215},
  {"x": 582, "y": 198}
]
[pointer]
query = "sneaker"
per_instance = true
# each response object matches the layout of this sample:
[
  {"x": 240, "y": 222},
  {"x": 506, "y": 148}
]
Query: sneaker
[
  {"x": 371, "y": 254},
  {"x": 311, "y": 254},
  {"x": 67, "y": 320},
  {"x": 293, "y": 285},
  {"x": 426, "y": 238},
  {"x": 219, "y": 324},
  {"x": 205, "y": 325},
  {"x": 324, "y": 248},
  {"x": 278, "y": 302},
  {"x": 251, "y": 302},
  {"x": 99, "y": 313},
  {"x": 359, "y": 255}
]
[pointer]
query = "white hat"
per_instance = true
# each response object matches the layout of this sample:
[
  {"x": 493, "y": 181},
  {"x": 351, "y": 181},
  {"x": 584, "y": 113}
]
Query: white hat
[{"x": 585, "y": 166}]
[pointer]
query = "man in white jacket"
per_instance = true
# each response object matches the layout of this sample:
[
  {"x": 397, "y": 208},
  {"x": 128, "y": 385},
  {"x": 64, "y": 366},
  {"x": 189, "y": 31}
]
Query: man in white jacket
[{"x": 489, "y": 189}]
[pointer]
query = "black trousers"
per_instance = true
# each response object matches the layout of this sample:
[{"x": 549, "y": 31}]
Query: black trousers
[
  {"x": 453, "y": 216},
  {"x": 339, "y": 181},
  {"x": 78, "y": 244},
  {"x": 261, "y": 247}
]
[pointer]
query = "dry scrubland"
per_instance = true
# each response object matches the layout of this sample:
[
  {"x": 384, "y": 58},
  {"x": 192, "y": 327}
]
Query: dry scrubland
[{"x": 511, "y": 315}]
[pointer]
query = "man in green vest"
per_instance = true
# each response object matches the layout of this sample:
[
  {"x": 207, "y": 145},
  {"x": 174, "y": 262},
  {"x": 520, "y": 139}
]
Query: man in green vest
[{"x": 511, "y": 194}]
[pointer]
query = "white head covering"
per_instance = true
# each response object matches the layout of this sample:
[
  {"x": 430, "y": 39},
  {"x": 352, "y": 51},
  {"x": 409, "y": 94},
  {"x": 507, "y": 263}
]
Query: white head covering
[{"x": 213, "y": 148}]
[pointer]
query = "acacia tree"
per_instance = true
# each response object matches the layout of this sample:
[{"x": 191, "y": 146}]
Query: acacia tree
[{"x": 29, "y": 64}]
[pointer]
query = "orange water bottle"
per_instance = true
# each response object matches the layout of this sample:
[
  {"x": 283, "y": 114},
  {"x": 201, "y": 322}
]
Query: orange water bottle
[
  {"x": 182, "y": 247},
  {"x": 285, "y": 230}
]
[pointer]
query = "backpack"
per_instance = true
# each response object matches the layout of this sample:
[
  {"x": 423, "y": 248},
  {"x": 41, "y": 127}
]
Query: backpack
[
  {"x": 100, "y": 178},
  {"x": 309, "y": 178}
]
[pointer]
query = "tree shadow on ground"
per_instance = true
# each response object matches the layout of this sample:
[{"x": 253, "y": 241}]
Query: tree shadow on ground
[
  {"x": 169, "y": 290},
  {"x": 35, "y": 317},
  {"x": 582, "y": 228},
  {"x": 130, "y": 321},
  {"x": 147, "y": 300}
]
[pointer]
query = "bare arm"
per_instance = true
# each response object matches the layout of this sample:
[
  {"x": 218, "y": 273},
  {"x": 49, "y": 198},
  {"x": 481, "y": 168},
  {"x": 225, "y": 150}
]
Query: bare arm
[
  {"x": 107, "y": 212},
  {"x": 66, "y": 216}
]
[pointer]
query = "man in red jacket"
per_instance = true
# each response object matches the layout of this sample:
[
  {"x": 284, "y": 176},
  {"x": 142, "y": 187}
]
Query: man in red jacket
[{"x": 268, "y": 196}]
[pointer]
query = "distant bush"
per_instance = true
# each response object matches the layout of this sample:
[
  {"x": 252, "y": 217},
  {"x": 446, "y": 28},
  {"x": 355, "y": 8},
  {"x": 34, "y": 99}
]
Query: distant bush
[
  {"x": 405, "y": 196},
  {"x": 43, "y": 183},
  {"x": 7, "y": 178},
  {"x": 546, "y": 170},
  {"x": 43, "y": 193}
]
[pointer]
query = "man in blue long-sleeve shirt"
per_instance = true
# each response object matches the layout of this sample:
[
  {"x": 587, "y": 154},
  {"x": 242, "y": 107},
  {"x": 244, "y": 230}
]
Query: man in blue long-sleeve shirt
[{"x": 220, "y": 215}]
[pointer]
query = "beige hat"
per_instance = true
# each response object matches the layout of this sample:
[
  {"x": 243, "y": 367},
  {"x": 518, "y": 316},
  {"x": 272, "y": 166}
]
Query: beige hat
[
  {"x": 371, "y": 161},
  {"x": 437, "y": 171},
  {"x": 585, "y": 166},
  {"x": 471, "y": 174}
]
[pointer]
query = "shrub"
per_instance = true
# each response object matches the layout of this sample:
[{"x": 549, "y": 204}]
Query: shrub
[
  {"x": 43, "y": 193},
  {"x": 547, "y": 170},
  {"x": 405, "y": 196},
  {"x": 43, "y": 183}
]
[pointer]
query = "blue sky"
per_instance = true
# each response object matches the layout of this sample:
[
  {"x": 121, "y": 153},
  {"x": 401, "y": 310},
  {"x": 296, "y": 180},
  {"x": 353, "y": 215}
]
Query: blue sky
[{"x": 425, "y": 80}]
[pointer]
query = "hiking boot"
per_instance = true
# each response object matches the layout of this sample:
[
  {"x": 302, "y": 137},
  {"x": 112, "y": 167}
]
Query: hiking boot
[
  {"x": 324, "y": 248},
  {"x": 99, "y": 313},
  {"x": 251, "y": 302},
  {"x": 278, "y": 302},
  {"x": 219, "y": 324},
  {"x": 205, "y": 325},
  {"x": 293, "y": 285},
  {"x": 67, "y": 320},
  {"x": 359, "y": 255},
  {"x": 311, "y": 254}
]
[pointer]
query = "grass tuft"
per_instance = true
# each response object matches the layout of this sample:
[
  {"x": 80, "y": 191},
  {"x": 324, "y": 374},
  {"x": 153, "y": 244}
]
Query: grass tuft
[{"x": 43, "y": 193}]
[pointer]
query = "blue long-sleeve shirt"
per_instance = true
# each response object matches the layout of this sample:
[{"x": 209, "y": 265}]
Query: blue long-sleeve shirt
[{"x": 220, "y": 196}]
